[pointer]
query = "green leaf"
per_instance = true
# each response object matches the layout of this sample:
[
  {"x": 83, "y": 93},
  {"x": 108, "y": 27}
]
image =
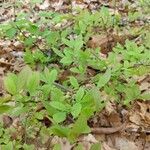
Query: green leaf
[
  {"x": 58, "y": 105},
  {"x": 78, "y": 43},
  {"x": 145, "y": 96},
  {"x": 33, "y": 82},
  {"x": 59, "y": 117},
  {"x": 29, "y": 41},
  {"x": 76, "y": 109},
  {"x": 79, "y": 95},
  {"x": 57, "y": 147},
  {"x": 60, "y": 131},
  {"x": 11, "y": 32},
  {"x": 18, "y": 110},
  {"x": 99, "y": 104},
  {"x": 66, "y": 60},
  {"x": 51, "y": 111},
  {"x": 28, "y": 147},
  {"x": 131, "y": 93},
  {"x": 79, "y": 147},
  {"x": 79, "y": 127},
  {"x": 10, "y": 83},
  {"x": 53, "y": 76},
  {"x": 103, "y": 80},
  {"x": 69, "y": 43},
  {"x": 57, "y": 95},
  {"x": 9, "y": 146},
  {"x": 74, "y": 82},
  {"x": 58, "y": 52},
  {"x": 52, "y": 37},
  {"x": 5, "y": 108},
  {"x": 50, "y": 77},
  {"x": 28, "y": 57},
  {"x": 33, "y": 29},
  {"x": 5, "y": 99},
  {"x": 23, "y": 77},
  {"x": 96, "y": 146}
]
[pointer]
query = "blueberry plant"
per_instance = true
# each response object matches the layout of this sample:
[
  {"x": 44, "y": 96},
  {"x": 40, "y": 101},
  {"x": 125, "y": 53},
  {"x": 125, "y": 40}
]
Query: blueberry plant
[{"x": 47, "y": 105}]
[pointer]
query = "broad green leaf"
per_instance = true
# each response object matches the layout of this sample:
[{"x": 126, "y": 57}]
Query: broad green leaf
[
  {"x": 23, "y": 77},
  {"x": 79, "y": 127},
  {"x": 131, "y": 93},
  {"x": 145, "y": 96},
  {"x": 79, "y": 95},
  {"x": 96, "y": 146},
  {"x": 58, "y": 52},
  {"x": 69, "y": 43},
  {"x": 39, "y": 115},
  {"x": 33, "y": 82},
  {"x": 53, "y": 76},
  {"x": 75, "y": 70},
  {"x": 9, "y": 146},
  {"x": 78, "y": 43},
  {"x": 60, "y": 130},
  {"x": 99, "y": 104},
  {"x": 51, "y": 111},
  {"x": 57, "y": 95},
  {"x": 74, "y": 82},
  {"x": 10, "y": 83},
  {"x": 29, "y": 41},
  {"x": 52, "y": 37},
  {"x": 28, "y": 57},
  {"x": 11, "y": 32},
  {"x": 104, "y": 79},
  {"x": 59, "y": 117},
  {"x": 5, "y": 99},
  {"x": 66, "y": 60},
  {"x": 76, "y": 109},
  {"x": 50, "y": 77},
  {"x": 58, "y": 105},
  {"x": 79, "y": 147},
  {"x": 28, "y": 147},
  {"x": 5, "y": 108},
  {"x": 57, "y": 147},
  {"x": 33, "y": 29},
  {"x": 18, "y": 110}
]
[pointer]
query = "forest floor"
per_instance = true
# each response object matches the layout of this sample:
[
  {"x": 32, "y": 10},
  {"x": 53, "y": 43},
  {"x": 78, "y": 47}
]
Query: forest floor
[{"x": 121, "y": 124}]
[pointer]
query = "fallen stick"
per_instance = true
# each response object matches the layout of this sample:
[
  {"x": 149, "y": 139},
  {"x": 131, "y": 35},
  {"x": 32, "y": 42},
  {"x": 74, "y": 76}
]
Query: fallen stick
[{"x": 104, "y": 130}]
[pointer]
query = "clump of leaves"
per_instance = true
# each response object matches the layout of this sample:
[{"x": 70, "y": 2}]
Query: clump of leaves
[{"x": 47, "y": 106}]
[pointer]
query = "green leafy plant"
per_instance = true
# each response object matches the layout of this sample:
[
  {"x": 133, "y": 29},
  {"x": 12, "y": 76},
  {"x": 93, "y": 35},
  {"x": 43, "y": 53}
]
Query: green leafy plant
[{"x": 48, "y": 105}]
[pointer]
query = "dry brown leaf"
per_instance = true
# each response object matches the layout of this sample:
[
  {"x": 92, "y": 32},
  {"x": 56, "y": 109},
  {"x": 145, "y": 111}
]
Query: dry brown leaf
[
  {"x": 109, "y": 108},
  {"x": 101, "y": 41},
  {"x": 114, "y": 119},
  {"x": 125, "y": 144},
  {"x": 89, "y": 138},
  {"x": 45, "y": 5},
  {"x": 144, "y": 112},
  {"x": 7, "y": 121},
  {"x": 106, "y": 42},
  {"x": 105, "y": 146},
  {"x": 135, "y": 118}
]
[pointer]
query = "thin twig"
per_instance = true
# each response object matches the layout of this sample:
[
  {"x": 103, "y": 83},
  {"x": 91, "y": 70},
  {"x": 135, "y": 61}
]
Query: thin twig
[{"x": 62, "y": 87}]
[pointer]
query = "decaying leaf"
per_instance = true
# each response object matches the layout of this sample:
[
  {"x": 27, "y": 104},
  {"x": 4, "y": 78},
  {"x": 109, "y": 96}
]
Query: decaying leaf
[{"x": 124, "y": 144}]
